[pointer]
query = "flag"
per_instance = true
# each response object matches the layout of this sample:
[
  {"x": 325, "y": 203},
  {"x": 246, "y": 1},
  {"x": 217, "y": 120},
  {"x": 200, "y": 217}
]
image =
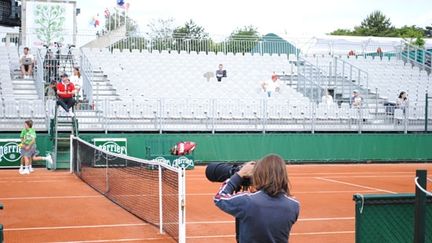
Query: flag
[
  {"x": 95, "y": 21},
  {"x": 107, "y": 13},
  {"x": 120, "y": 3},
  {"x": 123, "y": 5}
]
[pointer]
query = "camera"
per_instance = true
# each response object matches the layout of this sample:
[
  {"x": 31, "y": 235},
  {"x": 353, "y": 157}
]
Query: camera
[{"x": 219, "y": 172}]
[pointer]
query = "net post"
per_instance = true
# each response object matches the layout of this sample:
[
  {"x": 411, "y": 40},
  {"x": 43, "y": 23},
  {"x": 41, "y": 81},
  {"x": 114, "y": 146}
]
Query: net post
[
  {"x": 71, "y": 153},
  {"x": 420, "y": 207},
  {"x": 160, "y": 200},
  {"x": 426, "y": 111},
  {"x": 182, "y": 205}
]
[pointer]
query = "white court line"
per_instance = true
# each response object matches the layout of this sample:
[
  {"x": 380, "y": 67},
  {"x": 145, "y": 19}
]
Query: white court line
[
  {"x": 331, "y": 173},
  {"x": 356, "y": 185},
  {"x": 146, "y": 224},
  {"x": 50, "y": 197},
  {"x": 31, "y": 181},
  {"x": 300, "y": 220},
  {"x": 74, "y": 227},
  {"x": 140, "y": 195},
  {"x": 112, "y": 240},
  {"x": 294, "y": 192},
  {"x": 323, "y": 233}
]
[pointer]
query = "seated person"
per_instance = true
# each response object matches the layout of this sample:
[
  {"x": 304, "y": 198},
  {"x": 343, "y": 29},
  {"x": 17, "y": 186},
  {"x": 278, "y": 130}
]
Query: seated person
[
  {"x": 66, "y": 91},
  {"x": 356, "y": 99},
  {"x": 183, "y": 148},
  {"x": 220, "y": 73},
  {"x": 327, "y": 99},
  {"x": 271, "y": 86},
  {"x": 26, "y": 63}
]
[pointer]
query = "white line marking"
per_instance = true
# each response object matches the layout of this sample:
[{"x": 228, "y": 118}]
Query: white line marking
[
  {"x": 146, "y": 224},
  {"x": 356, "y": 185},
  {"x": 323, "y": 233},
  {"x": 74, "y": 227},
  {"x": 52, "y": 197},
  {"x": 112, "y": 240},
  {"x": 294, "y": 192}
]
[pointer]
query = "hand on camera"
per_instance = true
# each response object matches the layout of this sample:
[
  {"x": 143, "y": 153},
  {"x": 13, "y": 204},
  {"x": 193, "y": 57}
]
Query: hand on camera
[{"x": 247, "y": 169}]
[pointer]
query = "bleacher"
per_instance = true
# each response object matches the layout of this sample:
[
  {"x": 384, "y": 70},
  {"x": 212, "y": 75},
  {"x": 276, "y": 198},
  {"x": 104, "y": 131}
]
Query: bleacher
[{"x": 177, "y": 91}]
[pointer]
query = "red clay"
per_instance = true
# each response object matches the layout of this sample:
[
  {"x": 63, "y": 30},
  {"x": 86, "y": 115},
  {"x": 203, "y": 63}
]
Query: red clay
[{"x": 57, "y": 206}]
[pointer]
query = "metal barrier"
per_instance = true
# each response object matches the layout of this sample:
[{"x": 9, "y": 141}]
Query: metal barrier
[
  {"x": 416, "y": 56},
  {"x": 256, "y": 115},
  {"x": 87, "y": 76}
]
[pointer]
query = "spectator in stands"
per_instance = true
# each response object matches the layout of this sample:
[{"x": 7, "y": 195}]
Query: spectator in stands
[
  {"x": 379, "y": 52},
  {"x": 183, "y": 148},
  {"x": 26, "y": 63},
  {"x": 66, "y": 91},
  {"x": 221, "y": 73},
  {"x": 28, "y": 148},
  {"x": 77, "y": 80},
  {"x": 51, "y": 91},
  {"x": 356, "y": 99},
  {"x": 402, "y": 101},
  {"x": 351, "y": 53},
  {"x": 271, "y": 86},
  {"x": 266, "y": 214},
  {"x": 327, "y": 98}
]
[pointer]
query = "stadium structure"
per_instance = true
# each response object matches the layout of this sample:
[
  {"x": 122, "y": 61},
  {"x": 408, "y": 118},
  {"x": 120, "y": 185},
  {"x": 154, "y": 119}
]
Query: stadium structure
[{"x": 154, "y": 87}]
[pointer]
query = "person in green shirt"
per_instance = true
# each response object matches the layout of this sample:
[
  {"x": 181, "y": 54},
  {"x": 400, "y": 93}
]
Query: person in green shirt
[{"x": 28, "y": 148}]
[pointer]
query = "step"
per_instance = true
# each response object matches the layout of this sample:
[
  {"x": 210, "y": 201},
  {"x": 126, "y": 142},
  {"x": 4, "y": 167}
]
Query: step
[
  {"x": 103, "y": 93},
  {"x": 24, "y": 86},
  {"x": 25, "y": 92},
  {"x": 23, "y": 82},
  {"x": 26, "y": 97}
]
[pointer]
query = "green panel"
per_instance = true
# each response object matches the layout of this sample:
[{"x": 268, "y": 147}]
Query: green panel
[
  {"x": 43, "y": 144},
  {"x": 291, "y": 146},
  {"x": 388, "y": 218}
]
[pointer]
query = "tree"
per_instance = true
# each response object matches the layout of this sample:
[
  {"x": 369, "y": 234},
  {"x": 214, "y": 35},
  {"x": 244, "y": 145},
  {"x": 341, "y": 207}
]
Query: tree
[
  {"x": 190, "y": 37},
  {"x": 243, "y": 39},
  {"x": 161, "y": 28},
  {"x": 428, "y": 31},
  {"x": 119, "y": 18},
  {"x": 50, "y": 20},
  {"x": 190, "y": 30},
  {"x": 342, "y": 32},
  {"x": 375, "y": 24}
]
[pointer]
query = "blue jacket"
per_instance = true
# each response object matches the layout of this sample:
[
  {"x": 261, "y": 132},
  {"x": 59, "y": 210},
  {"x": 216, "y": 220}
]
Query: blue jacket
[{"x": 262, "y": 218}]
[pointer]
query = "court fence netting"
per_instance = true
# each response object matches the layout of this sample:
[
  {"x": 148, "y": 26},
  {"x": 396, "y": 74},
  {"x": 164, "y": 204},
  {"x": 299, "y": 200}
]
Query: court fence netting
[
  {"x": 151, "y": 190},
  {"x": 393, "y": 217}
]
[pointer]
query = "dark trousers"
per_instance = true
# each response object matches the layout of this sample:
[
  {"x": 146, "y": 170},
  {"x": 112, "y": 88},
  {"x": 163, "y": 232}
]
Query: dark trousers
[{"x": 66, "y": 103}]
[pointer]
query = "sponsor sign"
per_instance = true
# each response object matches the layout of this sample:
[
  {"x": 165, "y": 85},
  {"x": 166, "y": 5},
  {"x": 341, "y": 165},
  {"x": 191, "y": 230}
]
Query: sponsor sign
[
  {"x": 113, "y": 145},
  {"x": 10, "y": 152}
]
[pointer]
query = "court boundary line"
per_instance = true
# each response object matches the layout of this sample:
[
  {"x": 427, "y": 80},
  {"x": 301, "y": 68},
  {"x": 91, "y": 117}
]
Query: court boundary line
[
  {"x": 147, "y": 224},
  {"x": 356, "y": 185},
  {"x": 206, "y": 237}
]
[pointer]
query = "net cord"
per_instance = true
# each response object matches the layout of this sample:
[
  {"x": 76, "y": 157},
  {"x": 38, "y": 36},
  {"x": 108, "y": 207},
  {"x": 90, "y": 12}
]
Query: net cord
[
  {"x": 421, "y": 188},
  {"x": 122, "y": 156}
]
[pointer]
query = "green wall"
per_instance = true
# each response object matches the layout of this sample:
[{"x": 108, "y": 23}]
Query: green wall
[{"x": 291, "y": 146}]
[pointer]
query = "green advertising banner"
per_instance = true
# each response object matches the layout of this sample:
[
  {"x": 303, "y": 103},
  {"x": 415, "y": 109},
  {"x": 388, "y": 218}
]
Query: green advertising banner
[
  {"x": 10, "y": 155},
  {"x": 185, "y": 162},
  {"x": 113, "y": 145}
]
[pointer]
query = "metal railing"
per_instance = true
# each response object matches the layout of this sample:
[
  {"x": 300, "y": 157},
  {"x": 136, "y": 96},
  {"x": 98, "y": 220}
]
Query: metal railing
[
  {"x": 253, "y": 46},
  {"x": 256, "y": 115},
  {"x": 416, "y": 56},
  {"x": 87, "y": 76}
]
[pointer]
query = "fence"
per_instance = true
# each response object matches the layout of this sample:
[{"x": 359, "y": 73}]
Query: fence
[
  {"x": 416, "y": 56},
  {"x": 388, "y": 218},
  {"x": 256, "y": 115}
]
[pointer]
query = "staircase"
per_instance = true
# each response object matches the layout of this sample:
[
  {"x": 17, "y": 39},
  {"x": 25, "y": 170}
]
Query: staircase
[
  {"x": 24, "y": 89},
  {"x": 102, "y": 87},
  {"x": 108, "y": 39},
  {"x": 61, "y": 128}
]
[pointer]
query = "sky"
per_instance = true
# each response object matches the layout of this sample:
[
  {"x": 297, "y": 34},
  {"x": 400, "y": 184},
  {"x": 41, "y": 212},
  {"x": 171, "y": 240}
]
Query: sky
[{"x": 291, "y": 18}]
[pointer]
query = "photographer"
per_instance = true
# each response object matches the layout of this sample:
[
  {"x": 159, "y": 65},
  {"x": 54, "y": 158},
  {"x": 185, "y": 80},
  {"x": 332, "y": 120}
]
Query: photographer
[{"x": 268, "y": 213}]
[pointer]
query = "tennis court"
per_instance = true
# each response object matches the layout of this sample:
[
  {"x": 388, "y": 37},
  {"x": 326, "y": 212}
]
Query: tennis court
[{"x": 59, "y": 207}]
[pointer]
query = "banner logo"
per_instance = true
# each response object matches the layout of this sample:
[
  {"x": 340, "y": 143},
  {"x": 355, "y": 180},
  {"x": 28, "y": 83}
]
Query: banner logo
[{"x": 10, "y": 152}]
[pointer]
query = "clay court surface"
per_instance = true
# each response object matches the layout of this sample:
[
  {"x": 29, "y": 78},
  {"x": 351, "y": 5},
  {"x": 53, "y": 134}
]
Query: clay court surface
[{"x": 58, "y": 207}]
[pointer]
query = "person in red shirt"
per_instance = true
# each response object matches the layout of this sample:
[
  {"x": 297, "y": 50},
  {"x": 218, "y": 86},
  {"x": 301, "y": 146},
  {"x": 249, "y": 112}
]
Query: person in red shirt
[
  {"x": 66, "y": 92},
  {"x": 183, "y": 148}
]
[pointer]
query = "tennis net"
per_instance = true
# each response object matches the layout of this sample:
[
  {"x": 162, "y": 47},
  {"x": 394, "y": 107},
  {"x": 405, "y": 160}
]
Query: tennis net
[{"x": 151, "y": 190}]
